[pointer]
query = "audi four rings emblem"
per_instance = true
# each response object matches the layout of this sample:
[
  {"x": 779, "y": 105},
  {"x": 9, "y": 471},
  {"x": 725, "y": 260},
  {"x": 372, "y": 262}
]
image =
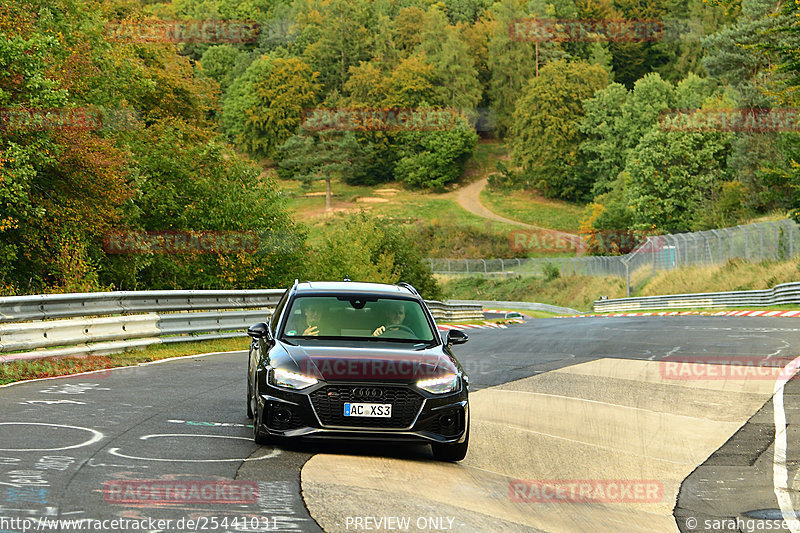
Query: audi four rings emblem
[{"x": 367, "y": 392}]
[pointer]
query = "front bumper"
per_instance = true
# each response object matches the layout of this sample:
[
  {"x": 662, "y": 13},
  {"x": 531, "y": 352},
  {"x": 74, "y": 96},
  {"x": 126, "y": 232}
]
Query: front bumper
[{"x": 315, "y": 414}]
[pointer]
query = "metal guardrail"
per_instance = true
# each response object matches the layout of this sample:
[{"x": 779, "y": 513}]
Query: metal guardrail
[
  {"x": 528, "y": 306},
  {"x": 783, "y": 294},
  {"x": 69, "y": 325},
  {"x": 49, "y": 306}
]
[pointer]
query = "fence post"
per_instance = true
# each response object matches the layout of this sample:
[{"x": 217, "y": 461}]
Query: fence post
[
  {"x": 466, "y": 263},
  {"x": 651, "y": 243},
  {"x": 791, "y": 241},
  {"x": 746, "y": 244},
  {"x": 519, "y": 267},
  {"x": 732, "y": 238},
  {"x": 503, "y": 267},
  {"x": 627, "y": 279},
  {"x": 719, "y": 247},
  {"x": 485, "y": 274}
]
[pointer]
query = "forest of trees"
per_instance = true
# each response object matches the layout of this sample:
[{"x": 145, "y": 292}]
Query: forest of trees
[{"x": 583, "y": 121}]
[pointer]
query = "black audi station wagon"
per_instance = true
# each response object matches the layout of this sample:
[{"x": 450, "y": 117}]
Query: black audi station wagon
[{"x": 362, "y": 361}]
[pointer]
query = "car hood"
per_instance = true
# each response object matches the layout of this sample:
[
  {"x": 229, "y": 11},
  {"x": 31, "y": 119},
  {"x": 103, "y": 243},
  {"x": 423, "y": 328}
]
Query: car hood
[{"x": 382, "y": 364}]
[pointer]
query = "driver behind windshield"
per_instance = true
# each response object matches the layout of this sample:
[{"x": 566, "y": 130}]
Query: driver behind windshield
[
  {"x": 311, "y": 323},
  {"x": 395, "y": 316}
]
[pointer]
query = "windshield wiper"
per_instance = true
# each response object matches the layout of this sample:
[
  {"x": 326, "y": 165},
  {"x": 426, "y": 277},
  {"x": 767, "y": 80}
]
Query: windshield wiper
[{"x": 423, "y": 345}]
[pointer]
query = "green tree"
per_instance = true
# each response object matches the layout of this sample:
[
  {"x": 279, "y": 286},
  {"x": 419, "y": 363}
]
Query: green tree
[
  {"x": 188, "y": 179},
  {"x": 546, "y": 135},
  {"x": 739, "y": 56},
  {"x": 224, "y": 63},
  {"x": 370, "y": 249},
  {"x": 604, "y": 146},
  {"x": 674, "y": 177},
  {"x": 343, "y": 30},
  {"x": 433, "y": 159},
  {"x": 511, "y": 62},
  {"x": 455, "y": 77},
  {"x": 264, "y": 107},
  {"x": 324, "y": 156}
]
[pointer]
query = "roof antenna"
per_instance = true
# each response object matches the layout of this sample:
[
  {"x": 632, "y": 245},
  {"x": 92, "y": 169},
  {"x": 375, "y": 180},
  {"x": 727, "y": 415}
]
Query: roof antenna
[{"x": 346, "y": 278}]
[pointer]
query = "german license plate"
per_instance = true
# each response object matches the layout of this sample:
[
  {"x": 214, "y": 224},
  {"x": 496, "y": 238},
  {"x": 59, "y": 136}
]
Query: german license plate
[{"x": 380, "y": 410}]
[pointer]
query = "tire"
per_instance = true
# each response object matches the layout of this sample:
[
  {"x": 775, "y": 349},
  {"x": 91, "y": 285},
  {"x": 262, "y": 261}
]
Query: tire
[
  {"x": 259, "y": 436},
  {"x": 249, "y": 398},
  {"x": 451, "y": 453}
]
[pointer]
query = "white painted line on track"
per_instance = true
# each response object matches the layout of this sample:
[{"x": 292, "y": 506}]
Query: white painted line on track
[
  {"x": 96, "y": 437},
  {"x": 780, "y": 474}
]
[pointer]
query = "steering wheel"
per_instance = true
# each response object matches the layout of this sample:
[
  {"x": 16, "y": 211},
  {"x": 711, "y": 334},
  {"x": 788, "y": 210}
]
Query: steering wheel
[{"x": 401, "y": 327}]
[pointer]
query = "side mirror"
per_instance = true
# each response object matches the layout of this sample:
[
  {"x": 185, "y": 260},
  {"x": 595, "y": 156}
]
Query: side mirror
[
  {"x": 259, "y": 331},
  {"x": 456, "y": 336}
]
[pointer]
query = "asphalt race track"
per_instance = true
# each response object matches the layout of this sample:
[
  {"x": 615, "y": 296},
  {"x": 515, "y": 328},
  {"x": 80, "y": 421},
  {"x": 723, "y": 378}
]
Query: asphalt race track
[{"x": 556, "y": 401}]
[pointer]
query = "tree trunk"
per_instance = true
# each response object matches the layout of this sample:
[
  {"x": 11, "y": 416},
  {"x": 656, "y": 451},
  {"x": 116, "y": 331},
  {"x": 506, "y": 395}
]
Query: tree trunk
[{"x": 327, "y": 195}]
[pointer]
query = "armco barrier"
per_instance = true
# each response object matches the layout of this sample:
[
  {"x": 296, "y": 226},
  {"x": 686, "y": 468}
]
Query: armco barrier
[
  {"x": 528, "y": 306},
  {"x": 786, "y": 293},
  {"x": 62, "y": 325}
]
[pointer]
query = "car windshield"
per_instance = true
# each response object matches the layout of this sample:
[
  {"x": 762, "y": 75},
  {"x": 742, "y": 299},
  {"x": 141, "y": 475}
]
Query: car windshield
[{"x": 367, "y": 317}]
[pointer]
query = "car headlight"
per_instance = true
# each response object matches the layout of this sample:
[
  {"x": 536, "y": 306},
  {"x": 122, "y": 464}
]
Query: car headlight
[
  {"x": 290, "y": 380},
  {"x": 441, "y": 385}
]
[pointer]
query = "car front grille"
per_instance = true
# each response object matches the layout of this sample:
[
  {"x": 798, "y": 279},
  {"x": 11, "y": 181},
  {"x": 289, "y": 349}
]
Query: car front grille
[{"x": 329, "y": 403}]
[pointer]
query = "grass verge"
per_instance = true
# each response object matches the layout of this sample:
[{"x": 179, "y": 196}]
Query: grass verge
[
  {"x": 45, "y": 368},
  {"x": 580, "y": 292},
  {"x": 530, "y": 208}
]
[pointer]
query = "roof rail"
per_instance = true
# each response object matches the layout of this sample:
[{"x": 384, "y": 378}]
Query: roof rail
[{"x": 408, "y": 286}]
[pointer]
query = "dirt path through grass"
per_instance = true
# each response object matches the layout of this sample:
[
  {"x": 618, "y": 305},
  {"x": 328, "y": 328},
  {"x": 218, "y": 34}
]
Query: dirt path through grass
[{"x": 469, "y": 198}]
